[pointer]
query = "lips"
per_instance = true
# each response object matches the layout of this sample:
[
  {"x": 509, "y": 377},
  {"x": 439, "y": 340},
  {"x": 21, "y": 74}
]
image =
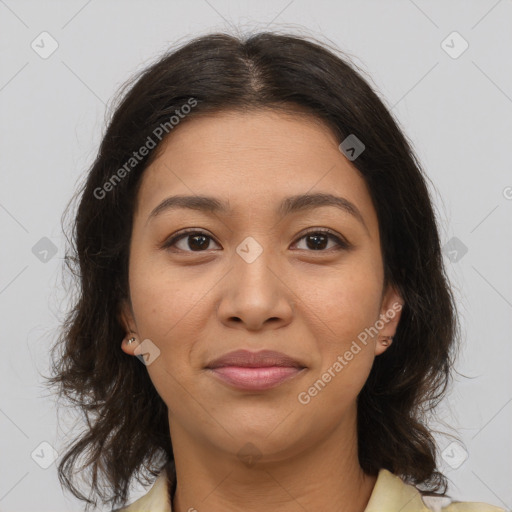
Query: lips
[
  {"x": 262, "y": 359},
  {"x": 255, "y": 371}
]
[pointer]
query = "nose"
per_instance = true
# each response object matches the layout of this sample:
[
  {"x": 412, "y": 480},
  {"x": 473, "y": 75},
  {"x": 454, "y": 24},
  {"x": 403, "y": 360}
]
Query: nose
[{"x": 255, "y": 295}]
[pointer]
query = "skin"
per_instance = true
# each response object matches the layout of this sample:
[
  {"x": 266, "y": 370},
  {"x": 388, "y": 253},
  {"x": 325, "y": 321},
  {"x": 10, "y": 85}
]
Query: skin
[{"x": 310, "y": 304}]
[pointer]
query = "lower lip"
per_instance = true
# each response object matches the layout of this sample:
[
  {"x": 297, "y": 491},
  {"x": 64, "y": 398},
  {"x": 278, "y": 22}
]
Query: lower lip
[{"x": 255, "y": 379}]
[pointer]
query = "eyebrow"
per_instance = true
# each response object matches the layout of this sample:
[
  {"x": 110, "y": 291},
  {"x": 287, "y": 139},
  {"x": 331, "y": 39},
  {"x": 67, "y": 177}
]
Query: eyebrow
[{"x": 289, "y": 205}]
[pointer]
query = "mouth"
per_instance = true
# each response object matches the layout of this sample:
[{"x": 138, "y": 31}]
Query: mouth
[
  {"x": 255, "y": 371},
  {"x": 255, "y": 379}
]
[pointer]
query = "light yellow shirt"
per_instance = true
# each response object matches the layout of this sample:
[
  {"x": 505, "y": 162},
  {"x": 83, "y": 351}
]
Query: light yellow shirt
[{"x": 390, "y": 494}]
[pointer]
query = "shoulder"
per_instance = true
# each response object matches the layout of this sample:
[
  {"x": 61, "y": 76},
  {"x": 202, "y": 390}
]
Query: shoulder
[
  {"x": 155, "y": 500},
  {"x": 392, "y": 493},
  {"x": 445, "y": 504}
]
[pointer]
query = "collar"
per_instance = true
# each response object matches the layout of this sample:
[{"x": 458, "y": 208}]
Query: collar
[{"x": 390, "y": 494}]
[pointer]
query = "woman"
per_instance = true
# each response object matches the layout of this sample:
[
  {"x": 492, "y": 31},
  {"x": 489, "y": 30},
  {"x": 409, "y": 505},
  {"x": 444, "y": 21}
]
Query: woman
[{"x": 263, "y": 318}]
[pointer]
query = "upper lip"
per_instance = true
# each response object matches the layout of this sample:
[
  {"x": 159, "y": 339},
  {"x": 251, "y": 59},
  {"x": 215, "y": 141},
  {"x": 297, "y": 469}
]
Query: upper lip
[{"x": 246, "y": 358}]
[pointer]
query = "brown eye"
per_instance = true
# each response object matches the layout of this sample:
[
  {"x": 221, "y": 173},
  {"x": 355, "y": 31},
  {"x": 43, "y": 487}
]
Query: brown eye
[
  {"x": 199, "y": 241},
  {"x": 318, "y": 241},
  {"x": 191, "y": 241}
]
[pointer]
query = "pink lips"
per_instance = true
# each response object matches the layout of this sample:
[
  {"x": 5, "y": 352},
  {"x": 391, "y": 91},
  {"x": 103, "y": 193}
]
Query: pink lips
[{"x": 255, "y": 370}]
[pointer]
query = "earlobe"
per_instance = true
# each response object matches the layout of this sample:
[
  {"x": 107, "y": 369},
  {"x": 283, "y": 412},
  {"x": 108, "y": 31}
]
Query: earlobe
[
  {"x": 390, "y": 313},
  {"x": 125, "y": 318},
  {"x": 383, "y": 344},
  {"x": 129, "y": 344}
]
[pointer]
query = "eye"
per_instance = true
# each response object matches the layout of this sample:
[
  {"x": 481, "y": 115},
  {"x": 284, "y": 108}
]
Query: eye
[
  {"x": 197, "y": 241},
  {"x": 317, "y": 240}
]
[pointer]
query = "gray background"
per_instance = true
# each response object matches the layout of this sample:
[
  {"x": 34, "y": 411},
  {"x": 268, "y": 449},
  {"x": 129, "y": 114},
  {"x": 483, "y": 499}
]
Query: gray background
[{"x": 455, "y": 107}]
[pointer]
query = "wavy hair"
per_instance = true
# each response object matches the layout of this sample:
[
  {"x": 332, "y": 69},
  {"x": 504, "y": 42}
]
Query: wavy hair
[{"x": 127, "y": 432}]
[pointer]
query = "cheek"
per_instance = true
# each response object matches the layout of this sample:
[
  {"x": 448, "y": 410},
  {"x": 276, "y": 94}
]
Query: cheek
[
  {"x": 172, "y": 310},
  {"x": 166, "y": 310},
  {"x": 163, "y": 301},
  {"x": 346, "y": 299},
  {"x": 339, "y": 311}
]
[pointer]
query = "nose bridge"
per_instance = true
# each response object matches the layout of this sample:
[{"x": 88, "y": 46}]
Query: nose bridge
[
  {"x": 254, "y": 290},
  {"x": 252, "y": 263}
]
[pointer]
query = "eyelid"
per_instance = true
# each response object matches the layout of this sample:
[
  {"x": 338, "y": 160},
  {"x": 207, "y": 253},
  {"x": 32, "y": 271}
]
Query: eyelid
[
  {"x": 176, "y": 237},
  {"x": 341, "y": 242}
]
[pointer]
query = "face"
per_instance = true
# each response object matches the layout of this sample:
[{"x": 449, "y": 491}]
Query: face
[{"x": 306, "y": 280}]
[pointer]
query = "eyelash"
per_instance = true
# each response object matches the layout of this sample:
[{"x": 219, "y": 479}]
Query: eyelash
[{"x": 341, "y": 244}]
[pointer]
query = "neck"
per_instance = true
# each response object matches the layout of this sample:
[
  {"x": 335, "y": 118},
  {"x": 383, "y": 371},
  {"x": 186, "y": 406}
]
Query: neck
[{"x": 321, "y": 476}]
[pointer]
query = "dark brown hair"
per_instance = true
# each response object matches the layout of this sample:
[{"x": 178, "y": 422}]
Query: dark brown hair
[{"x": 127, "y": 426}]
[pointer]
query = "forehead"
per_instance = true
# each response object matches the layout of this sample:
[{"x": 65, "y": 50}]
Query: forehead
[{"x": 252, "y": 158}]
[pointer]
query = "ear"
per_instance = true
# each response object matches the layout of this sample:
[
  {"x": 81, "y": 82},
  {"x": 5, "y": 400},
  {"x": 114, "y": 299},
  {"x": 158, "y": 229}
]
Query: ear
[
  {"x": 126, "y": 319},
  {"x": 391, "y": 310}
]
